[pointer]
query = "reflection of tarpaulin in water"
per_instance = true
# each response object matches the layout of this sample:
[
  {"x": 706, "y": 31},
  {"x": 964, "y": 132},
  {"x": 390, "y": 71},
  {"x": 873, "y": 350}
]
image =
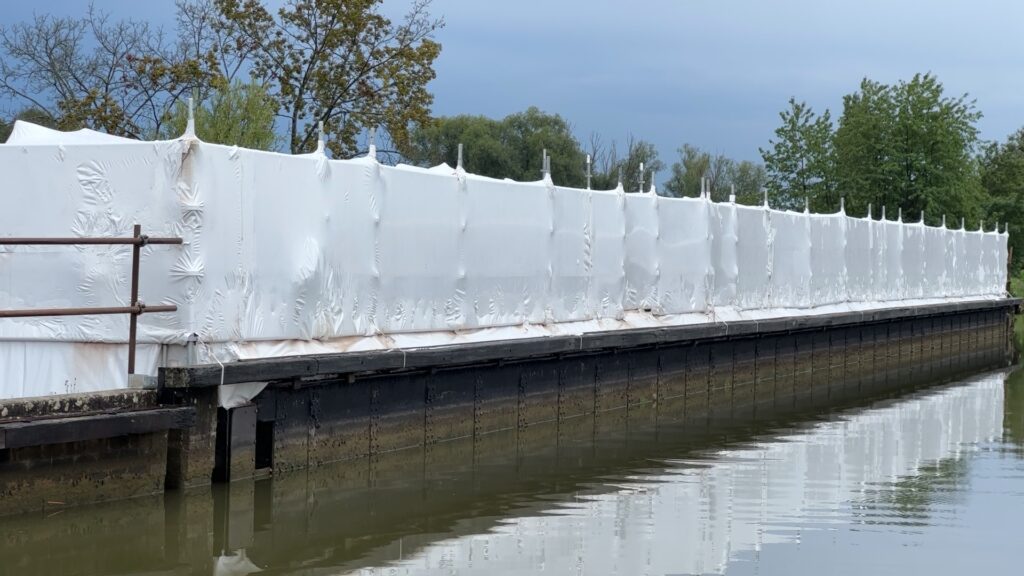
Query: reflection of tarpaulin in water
[
  {"x": 700, "y": 515},
  {"x": 287, "y": 255},
  {"x": 237, "y": 564}
]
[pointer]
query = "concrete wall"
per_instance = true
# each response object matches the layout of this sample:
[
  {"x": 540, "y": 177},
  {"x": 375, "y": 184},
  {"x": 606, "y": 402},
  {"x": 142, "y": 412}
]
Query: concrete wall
[{"x": 61, "y": 451}]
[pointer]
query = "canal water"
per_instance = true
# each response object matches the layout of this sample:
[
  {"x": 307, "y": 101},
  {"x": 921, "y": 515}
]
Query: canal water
[{"x": 930, "y": 481}]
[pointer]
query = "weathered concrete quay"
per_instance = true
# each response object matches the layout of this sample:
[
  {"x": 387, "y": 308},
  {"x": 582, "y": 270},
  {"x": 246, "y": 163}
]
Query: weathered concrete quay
[{"x": 317, "y": 409}]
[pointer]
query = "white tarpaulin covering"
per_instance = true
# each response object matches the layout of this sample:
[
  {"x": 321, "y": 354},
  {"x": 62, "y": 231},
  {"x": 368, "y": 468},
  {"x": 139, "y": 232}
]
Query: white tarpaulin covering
[{"x": 299, "y": 254}]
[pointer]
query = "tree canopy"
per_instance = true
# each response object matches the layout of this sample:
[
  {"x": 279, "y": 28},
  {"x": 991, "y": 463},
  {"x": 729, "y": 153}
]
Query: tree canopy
[
  {"x": 236, "y": 115},
  {"x": 904, "y": 146},
  {"x": 799, "y": 160},
  {"x": 337, "y": 62},
  {"x": 723, "y": 176},
  {"x": 514, "y": 146},
  {"x": 121, "y": 77},
  {"x": 1002, "y": 178},
  {"x": 909, "y": 146},
  {"x": 608, "y": 164}
]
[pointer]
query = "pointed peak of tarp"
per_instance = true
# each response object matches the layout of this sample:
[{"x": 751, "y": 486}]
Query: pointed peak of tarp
[{"x": 29, "y": 134}]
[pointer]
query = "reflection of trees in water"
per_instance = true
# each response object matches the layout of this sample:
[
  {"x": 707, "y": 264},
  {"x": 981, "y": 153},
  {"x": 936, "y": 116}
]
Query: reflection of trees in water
[
  {"x": 1013, "y": 409},
  {"x": 913, "y": 500}
]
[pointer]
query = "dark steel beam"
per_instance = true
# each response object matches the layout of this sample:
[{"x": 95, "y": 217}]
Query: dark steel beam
[
  {"x": 100, "y": 311},
  {"x": 142, "y": 240}
]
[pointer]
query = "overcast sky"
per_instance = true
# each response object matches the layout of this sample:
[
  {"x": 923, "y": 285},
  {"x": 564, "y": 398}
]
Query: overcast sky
[{"x": 714, "y": 73}]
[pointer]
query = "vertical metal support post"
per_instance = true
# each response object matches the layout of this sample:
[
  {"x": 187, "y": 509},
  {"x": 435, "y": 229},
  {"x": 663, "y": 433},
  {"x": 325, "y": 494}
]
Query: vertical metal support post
[{"x": 134, "y": 321}]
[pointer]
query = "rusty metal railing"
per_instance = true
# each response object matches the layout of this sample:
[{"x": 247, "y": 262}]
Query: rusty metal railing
[{"x": 137, "y": 308}]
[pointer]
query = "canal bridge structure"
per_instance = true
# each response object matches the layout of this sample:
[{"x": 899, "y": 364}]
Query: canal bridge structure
[{"x": 302, "y": 310}]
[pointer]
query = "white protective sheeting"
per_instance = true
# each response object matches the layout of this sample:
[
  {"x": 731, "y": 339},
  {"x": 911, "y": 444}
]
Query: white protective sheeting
[
  {"x": 754, "y": 236},
  {"x": 684, "y": 255},
  {"x": 297, "y": 254}
]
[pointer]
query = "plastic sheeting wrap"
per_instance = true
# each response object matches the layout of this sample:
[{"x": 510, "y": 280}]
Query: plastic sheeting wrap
[
  {"x": 895, "y": 287},
  {"x": 828, "y": 265},
  {"x": 571, "y": 249},
  {"x": 913, "y": 262},
  {"x": 860, "y": 260},
  {"x": 790, "y": 285},
  {"x": 642, "y": 252},
  {"x": 934, "y": 270},
  {"x": 297, "y": 254},
  {"x": 754, "y": 238},
  {"x": 724, "y": 267},
  {"x": 684, "y": 257},
  {"x": 607, "y": 254}
]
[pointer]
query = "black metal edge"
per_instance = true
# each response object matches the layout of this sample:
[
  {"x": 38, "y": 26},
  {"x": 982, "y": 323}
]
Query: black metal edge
[{"x": 307, "y": 366}]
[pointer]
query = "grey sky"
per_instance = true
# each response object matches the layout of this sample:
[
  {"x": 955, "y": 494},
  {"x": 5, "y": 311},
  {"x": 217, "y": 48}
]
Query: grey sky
[{"x": 714, "y": 73}]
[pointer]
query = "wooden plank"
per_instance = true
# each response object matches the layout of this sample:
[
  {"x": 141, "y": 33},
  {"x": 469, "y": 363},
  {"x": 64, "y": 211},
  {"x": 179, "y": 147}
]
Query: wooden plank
[{"x": 93, "y": 427}]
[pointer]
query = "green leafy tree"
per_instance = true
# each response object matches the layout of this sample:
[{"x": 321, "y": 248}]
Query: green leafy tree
[
  {"x": 339, "y": 62},
  {"x": 695, "y": 164},
  {"x": 724, "y": 176},
  {"x": 509, "y": 148},
  {"x": 120, "y": 77},
  {"x": 528, "y": 134},
  {"x": 863, "y": 147},
  {"x": 437, "y": 141},
  {"x": 608, "y": 165},
  {"x": 798, "y": 162},
  {"x": 748, "y": 179},
  {"x": 239, "y": 115},
  {"x": 909, "y": 146},
  {"x": 1002, "y": 177}
]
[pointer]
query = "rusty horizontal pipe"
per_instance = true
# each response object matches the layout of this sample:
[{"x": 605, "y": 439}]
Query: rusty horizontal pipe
[
  {"x": 141, "y": 241},
  {"x": 37, "y": 312}
]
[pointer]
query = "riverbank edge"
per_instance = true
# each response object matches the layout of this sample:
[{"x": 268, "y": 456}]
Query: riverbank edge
[{"x": 325, "y": 408}]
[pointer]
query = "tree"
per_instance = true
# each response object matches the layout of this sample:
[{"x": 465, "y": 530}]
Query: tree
[
  {"x": 340, "y": 62},
  {"x": 909, "y": 146},
  {"x": 1002, "y": 177},
  {"x": 749, "y": 180},
  {"x": 120, "y": 77},
  {"x": 799, "y": 160},
  {"x": 509, "y": 148},
  {"x": 526, "y": 135},
  {"x": 695, "y": 164},
  {"x": 437, "y": 141},
  {"x": 608, "y": 166},
  {"x": 237, "y": 115},
  {"x": 724, "y": 176}
]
